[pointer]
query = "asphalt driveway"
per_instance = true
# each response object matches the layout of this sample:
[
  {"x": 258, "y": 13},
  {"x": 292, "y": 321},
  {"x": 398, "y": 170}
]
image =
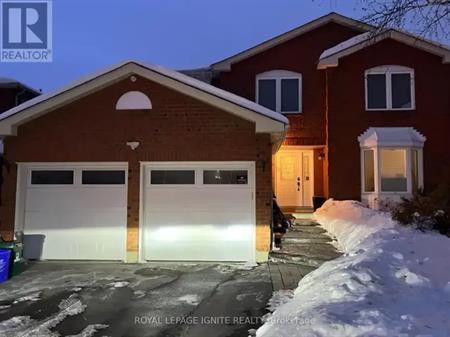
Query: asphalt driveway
[{"x": 113, "y": 299}]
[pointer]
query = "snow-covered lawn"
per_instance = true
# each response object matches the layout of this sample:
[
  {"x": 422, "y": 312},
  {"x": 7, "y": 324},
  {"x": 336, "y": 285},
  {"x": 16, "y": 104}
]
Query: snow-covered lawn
[{"x": 391, "y": 281}]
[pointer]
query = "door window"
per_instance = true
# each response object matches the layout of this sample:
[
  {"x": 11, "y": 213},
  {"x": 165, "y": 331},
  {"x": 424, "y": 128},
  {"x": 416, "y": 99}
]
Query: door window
[
  {"x": 98, "y": 177},
  {"x": 52, "y": 177},
  {"x": 225, "y": 177},
  {"x": 172, "y": 177}
]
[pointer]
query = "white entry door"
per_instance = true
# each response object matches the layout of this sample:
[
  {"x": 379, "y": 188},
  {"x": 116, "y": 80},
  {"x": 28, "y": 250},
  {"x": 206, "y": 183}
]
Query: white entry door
[
  {"x": 198, "y": 211},
  {"x": 74, "y": 211},
  {"x": 294, "y": 178}
]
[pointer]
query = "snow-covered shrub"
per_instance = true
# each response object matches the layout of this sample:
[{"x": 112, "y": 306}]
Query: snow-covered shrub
[{"x": 425, "y": 211}]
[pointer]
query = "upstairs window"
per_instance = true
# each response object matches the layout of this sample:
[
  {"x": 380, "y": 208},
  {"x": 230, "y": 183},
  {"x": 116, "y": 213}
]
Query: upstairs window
[
  {"x": 280, "y": 90},
  {"x": 390, "y": 88}
]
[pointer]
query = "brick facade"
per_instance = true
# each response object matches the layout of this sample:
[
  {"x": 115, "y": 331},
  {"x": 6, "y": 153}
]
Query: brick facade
[
  {"x": 299, "y": 55},
  {"x": 178, "y": 128},
  {"x": 347, "y": 117},
  {"x": 334, "y": 103}
]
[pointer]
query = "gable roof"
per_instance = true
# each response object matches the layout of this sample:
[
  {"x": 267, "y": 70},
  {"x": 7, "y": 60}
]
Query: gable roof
[
  {"x": 323, "y": 20},
  {"x": 331, "y": 56},
  {"x": 265, "y": 120}
]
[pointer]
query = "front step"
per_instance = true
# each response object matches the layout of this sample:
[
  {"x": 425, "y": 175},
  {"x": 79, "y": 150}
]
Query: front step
[
  {"x": 296, "y": 209},
  {"x": 298, "y": 260},
  {"x": 299, "y": 231},
  {"x": 310, "y": 240}
]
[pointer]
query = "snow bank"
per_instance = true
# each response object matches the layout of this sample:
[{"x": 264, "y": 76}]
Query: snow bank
[
  {"x": 391, "y": 281},
  {"x": 350, "y": 222}
]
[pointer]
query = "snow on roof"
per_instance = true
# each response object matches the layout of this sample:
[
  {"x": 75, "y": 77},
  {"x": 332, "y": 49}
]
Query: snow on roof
[
  {"x": 172, "y": 74},
  {"x": 330, "y": 56},
  {"x": 345, "y": 45},
  {"x": 391, "y": 136},
  {"x": 228, "y": 96}
]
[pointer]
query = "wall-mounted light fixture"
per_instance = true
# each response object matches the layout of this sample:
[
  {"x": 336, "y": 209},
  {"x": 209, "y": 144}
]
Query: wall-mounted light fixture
[
  {"x": 321, "y": 156},
  {"x": 133, "y": 145}
]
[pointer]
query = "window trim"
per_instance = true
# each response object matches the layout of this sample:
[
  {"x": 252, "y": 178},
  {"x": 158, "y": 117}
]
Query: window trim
[
  {"x": 389, "y": 71},
  {"x": 279, "y": 75}
]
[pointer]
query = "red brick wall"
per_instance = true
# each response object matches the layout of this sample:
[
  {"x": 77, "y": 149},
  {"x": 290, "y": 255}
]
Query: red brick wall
[
  {"x": 301, "y": 55},
  {"x": 178, "y": 128},
  {"x": 348, "y": 118}
]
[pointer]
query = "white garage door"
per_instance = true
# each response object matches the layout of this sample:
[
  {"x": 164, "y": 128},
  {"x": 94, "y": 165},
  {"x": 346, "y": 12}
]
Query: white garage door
[
  {"x": 75, "y": 211},
  {"x": 199, "y": 211}
]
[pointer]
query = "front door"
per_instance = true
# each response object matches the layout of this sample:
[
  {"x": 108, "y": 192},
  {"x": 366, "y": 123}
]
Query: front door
[{"x": 294, "y": 180}]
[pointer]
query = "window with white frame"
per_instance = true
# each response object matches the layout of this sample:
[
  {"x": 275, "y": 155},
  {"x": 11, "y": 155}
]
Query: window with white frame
[
  {"x": 392, "y": 160},
  {"x": 280, "y": 90},
  {"x": 390, "y": 88}
]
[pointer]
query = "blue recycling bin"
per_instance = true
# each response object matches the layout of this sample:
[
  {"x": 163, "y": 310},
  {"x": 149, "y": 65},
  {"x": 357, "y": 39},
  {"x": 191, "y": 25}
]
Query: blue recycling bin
[{"x": 5, "y": 256}]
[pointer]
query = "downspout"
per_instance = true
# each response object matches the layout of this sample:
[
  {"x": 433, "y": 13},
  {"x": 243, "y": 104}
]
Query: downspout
[{"x": 327, "y": 156}]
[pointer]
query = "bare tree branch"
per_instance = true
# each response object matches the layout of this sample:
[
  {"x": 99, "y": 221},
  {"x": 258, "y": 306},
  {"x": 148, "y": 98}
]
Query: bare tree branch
[{"x": 427, "y": 18}]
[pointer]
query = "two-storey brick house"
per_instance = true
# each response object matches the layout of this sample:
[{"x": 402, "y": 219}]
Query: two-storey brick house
[
  {"x": 341, "y": 85},
  {"x": 140, "y": 163}
]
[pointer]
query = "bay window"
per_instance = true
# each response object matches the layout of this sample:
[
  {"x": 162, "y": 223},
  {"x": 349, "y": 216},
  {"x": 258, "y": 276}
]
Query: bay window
[
  {"x": 391, "y": 163},
  {"x": 390, "y": 88},
  {"x": 280, "y": 90}
]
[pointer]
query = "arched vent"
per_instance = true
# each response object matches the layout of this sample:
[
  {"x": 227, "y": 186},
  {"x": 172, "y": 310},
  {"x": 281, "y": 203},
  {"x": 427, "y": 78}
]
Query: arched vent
[{"x": 134, "y": 100}]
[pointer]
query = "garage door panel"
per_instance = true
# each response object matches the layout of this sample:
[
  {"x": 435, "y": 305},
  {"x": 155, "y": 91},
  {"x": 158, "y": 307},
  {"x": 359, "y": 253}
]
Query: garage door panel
[
  {"x": 207, "y": 251},
  {"x": 67, "y": 244},
  {"x": 199, "y": 222},
  {"x": 205, "y": 217},
  {"x": 75, "y": 198},
  {"x": 197, "y": 198},
  {"x": 67, "y": 219},
  {"x": 81, "y": 222}
]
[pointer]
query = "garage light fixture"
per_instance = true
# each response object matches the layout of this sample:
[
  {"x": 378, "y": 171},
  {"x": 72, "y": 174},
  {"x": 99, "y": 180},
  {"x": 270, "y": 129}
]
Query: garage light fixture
[{"x": 133, "y": 145}]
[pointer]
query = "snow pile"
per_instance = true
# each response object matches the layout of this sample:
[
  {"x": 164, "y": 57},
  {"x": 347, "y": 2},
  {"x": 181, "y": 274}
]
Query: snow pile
[
  {"x": 279, "y": 298},
  {"x": 392, "y": 281},
  {"x": 350, "y": 222},
  {"x": 32, "y": 297},
  {"x": 119, "y": 284},
  {"x": 191, "y": 299},
  {"x": 25, "y": 326}
]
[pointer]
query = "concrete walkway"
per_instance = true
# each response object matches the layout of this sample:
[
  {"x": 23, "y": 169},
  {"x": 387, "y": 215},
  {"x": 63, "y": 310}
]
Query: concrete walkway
[{"x": 304, "y": 248}]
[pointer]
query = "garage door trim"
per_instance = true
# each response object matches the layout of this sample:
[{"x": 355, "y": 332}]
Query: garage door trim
[
  {"x": 250, "y": 165},
  {"x": 24, "y": 181}
]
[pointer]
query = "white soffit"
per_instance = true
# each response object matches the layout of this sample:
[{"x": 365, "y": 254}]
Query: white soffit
[{"x": 391, "y": 136}]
